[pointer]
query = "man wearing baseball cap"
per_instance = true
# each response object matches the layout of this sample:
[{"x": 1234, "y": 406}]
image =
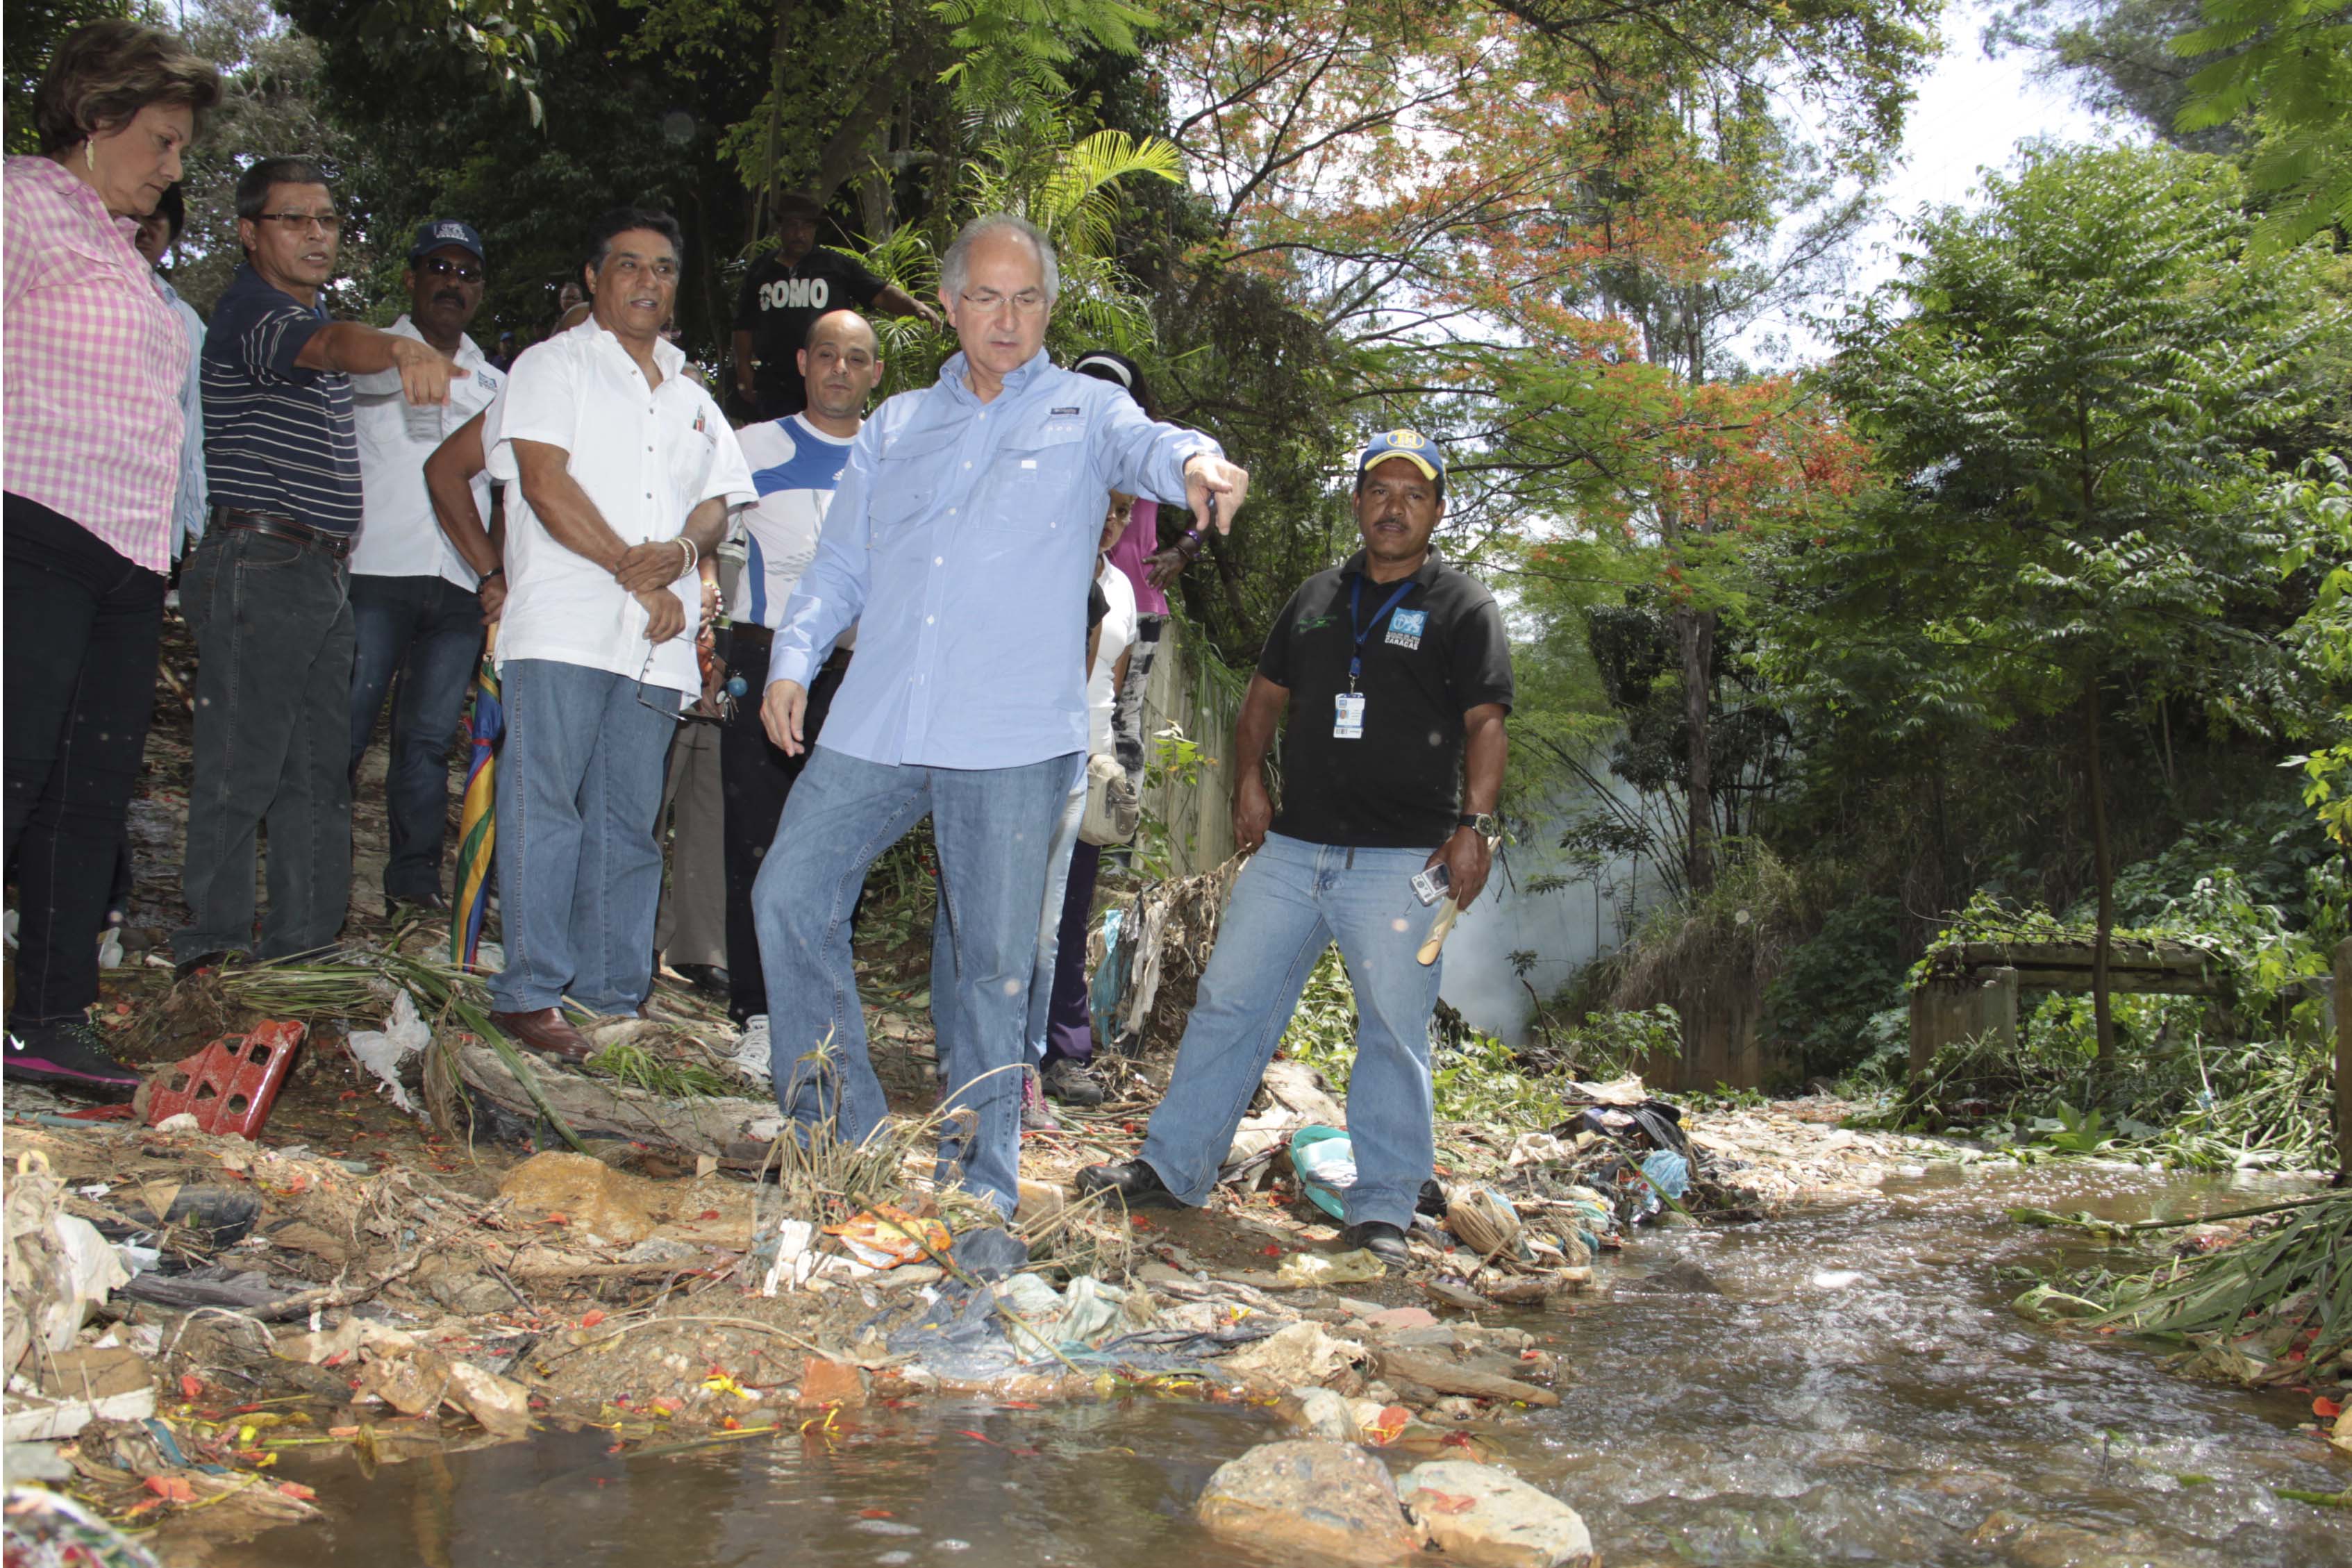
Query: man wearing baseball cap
[
  {"x": 783, "y": 295},
  {"x": 1391, "y": 676},
  {"x": 417, "y": 609}
]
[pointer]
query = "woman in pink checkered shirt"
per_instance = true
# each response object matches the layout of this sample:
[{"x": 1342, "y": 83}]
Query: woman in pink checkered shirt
[{"x": 90, "y": 386}]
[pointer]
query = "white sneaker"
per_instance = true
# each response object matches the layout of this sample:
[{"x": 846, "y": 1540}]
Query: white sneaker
[{"x": 751, "y": 1047}]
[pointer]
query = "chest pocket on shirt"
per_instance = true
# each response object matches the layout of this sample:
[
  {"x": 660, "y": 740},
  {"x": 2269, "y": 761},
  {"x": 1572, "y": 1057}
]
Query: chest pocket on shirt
[
  {"x": 906, "y": 482},
  {"x": 1035, "y": 473},
  {"x": 691, "y": 453}
]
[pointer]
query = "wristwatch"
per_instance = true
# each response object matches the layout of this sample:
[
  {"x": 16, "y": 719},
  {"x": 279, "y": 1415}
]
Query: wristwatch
[{"x": 1484, "y": 821}]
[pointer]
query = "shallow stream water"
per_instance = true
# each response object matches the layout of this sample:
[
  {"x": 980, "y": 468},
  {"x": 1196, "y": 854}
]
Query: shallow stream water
[{"x": 1858, "y": 1392}]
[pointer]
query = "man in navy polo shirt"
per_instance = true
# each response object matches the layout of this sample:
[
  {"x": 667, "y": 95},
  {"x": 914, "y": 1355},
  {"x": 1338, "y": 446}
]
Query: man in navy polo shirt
[
  {"x": 1396, "y": 674},
  {"x": 267, "y": 591}
]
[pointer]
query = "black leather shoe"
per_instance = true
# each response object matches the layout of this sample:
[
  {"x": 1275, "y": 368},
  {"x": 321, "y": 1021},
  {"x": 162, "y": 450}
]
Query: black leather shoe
[
  {"x": 711, "y": 979},
  {"x": 415, "y": 906},
  {"x": 218, "y": 959},
  {"x": 1382, "y": 1239},
  {"x": 1133, "y": 1180}
]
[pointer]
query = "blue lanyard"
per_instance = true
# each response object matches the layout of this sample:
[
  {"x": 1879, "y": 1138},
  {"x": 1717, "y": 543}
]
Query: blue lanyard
[{"x": 1355, "y": 602}]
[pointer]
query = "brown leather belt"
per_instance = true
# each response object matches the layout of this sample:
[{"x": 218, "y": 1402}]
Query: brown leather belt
[{"x": 338, "y": 546}]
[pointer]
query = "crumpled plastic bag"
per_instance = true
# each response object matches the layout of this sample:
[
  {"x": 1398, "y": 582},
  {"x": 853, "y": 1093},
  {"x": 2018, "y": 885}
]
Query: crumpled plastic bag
[
  {"x": 1302, "y": 1269},
  {"x": 382, "y": 1051},
  {"x": 1083, "y": 1317},
  {"x": 1303, "y": 1353},
  {"x": 58, "y": 1267}
]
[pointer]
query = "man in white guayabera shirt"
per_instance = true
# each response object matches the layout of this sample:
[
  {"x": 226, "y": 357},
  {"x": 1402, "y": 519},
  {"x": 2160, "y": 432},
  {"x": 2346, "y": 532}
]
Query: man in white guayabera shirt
[
  {"x": 620, "y": 473},
  {"x": 961, "y": 544}
]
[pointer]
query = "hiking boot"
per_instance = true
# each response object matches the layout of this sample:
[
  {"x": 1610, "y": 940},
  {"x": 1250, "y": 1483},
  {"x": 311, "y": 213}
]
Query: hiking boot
[
  {"x": 1382, "y": 1239},
  {"x": 1073, "y": 1083},
  {"x": 1035, "y": 1116},
  {"x": 69, "y": 1055},
  {"x": 1133, "y": 1180},
  {"x": 753, "y": 1058}
]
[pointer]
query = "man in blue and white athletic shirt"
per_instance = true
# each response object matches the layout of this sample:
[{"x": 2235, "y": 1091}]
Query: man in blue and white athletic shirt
[{"x": 795, "y": 463}]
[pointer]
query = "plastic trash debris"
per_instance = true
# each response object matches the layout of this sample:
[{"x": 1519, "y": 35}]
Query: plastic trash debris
[
  {"x": 1302, "y": 1269},
  {"x": 110, "y": 949},
  {"x": 792, "y": 1257},
  {"x": 885, "y": 1236},
  {"x": 1485, "y": 1221},
  {"x": 58, "y": 1267},
  {"x": 231, "y": 1084},
  {"x": 1669, "y": 1171},
  {"x": 382, "y": 1051},
  {"x": 987, "y": 1255},
  {"x": 1302, "y": 1352},
  {"x": 1326, "y": 1162}
]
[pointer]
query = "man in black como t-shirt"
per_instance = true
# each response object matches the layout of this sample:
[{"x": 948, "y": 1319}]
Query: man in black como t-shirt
[
  {"x": 784, "y": 293},
  {"x": 1395, "y": 674}
]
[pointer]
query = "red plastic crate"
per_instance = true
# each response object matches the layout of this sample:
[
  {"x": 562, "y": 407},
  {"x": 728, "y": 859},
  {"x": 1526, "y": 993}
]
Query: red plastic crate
[{"x": 230, "y": 1085}]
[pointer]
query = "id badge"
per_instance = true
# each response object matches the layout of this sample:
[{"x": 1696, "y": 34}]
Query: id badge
[{"x": 1347, "y": 720}]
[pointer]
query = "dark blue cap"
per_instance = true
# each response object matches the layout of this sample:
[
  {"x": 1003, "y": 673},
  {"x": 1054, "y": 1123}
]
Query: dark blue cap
[
  {"x": 1411, "y": 446},
  {"x": 434, "y": 233}
]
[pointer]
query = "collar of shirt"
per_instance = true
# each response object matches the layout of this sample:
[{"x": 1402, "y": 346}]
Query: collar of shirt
[
  {"x": 248, "y": 279},
  {"x": 952, "y": 378},
  {"x": 668, "y": 358},
  {"x": 83, "y": 197},
  {"x": 1425, "y": 575},
  {"x": 468, "y": 353}
]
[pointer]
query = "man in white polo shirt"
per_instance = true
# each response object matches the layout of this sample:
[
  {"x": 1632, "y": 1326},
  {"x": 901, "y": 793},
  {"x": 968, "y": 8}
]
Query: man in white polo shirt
[
  {"x": 620, "y": 472},
  {"x": 413, "y": 606}
]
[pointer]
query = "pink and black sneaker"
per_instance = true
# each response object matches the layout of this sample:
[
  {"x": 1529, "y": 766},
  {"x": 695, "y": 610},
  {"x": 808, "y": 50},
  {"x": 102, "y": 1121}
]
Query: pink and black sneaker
[
  {"x": 68, "y": 1055},
  {"x": 1035, "y": 1116}
]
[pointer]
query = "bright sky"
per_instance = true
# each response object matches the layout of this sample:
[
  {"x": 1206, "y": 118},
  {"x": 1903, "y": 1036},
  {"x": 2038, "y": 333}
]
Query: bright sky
[{"x": 1971, "y": 112}]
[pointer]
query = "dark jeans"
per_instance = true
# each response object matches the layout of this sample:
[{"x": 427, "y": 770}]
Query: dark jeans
[
  {"x": 428, "y": 630},
  {"x": 83, "y": 623},
  {"x": 1069, "y": 1027},
  {"x": 273, "y": 625},
  {"x": 756, "y": 778}
]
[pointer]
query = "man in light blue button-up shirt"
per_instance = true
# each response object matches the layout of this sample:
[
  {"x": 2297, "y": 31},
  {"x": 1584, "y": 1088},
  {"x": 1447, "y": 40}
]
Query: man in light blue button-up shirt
[{"x": 961, "y": 544}]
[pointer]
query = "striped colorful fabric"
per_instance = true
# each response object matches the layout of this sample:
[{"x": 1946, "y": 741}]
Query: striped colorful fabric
[{"x": 477, "y": 824}]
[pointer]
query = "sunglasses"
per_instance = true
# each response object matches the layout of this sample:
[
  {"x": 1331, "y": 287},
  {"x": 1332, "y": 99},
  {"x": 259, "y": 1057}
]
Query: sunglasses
[{"x": 442, "y": 266}]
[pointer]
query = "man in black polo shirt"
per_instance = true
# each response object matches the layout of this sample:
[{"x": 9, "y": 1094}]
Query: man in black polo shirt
[
  {"x": 784, "y": 293},
  {"x": 1396, "y": 676},
  {"x": 267, "y": 591}
]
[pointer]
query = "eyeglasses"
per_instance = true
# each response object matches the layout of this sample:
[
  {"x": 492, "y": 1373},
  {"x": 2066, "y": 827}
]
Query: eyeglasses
[
  {"x": 325, "y": 223},
  {"x": 463, "y": 272},
  {"x": 988, "y": 301}
]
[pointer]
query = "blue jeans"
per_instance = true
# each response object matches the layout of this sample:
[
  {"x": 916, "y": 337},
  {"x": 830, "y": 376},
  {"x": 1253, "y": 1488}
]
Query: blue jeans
[
  {"x": 1292, "y": 899},
  {"x": 993, "y": 828},
  {"x": 427, "y": 630},
  {"x": 1039, "y": 996},
  {"x": 580, "y": 780}
]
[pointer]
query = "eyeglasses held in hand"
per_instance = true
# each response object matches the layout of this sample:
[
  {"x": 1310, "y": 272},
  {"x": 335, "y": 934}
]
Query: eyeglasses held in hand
[
  {"x": 325, "y": 223},
  {"x": 463, "y": 272}
]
